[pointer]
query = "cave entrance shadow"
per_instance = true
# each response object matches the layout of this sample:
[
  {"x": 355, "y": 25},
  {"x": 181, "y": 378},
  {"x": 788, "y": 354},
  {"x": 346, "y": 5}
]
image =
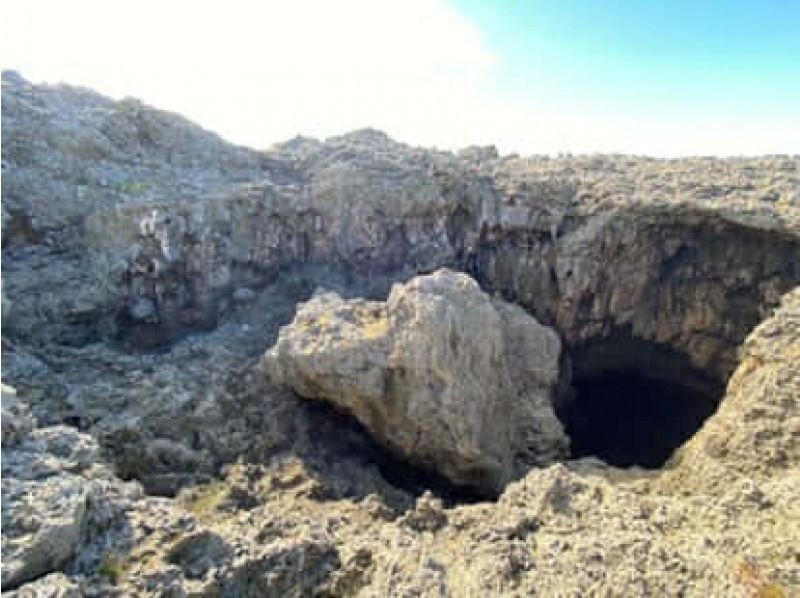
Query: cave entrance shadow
[
  {"x": 342, "y": 445},
  {"x": 635, "y": 403}
]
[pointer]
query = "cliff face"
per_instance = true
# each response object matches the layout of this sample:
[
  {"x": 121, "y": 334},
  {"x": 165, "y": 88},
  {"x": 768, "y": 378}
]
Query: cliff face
[
  {"x": 148, "y": 264},
  {"x": 157, "y": 223}
]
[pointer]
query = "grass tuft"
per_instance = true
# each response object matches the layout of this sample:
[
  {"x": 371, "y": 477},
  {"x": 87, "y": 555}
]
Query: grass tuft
[{"x": 112, "y": 568}]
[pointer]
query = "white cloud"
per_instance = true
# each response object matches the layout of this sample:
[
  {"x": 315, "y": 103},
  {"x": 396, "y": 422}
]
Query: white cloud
[{"x": 261, "y": 72}]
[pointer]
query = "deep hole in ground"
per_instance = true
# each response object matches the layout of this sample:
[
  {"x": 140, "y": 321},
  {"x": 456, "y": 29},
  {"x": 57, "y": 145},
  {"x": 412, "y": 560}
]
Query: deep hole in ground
[{"x": 635, "y": 403}]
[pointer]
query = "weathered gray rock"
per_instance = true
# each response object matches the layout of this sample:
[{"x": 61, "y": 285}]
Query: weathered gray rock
[
  {"x": 43, "y": 525},
  {"x": 440, "y": 374},
  {"x": 138, "y": 223},
  {"x": 43, "y": 506},
  {"x": 55, "y": 585},
  {"x": 121, "y": 222},
  {"x": 756, "y": 430},
  {"x": 17, "y": 421},
  {"x": 57, "y": 497}
]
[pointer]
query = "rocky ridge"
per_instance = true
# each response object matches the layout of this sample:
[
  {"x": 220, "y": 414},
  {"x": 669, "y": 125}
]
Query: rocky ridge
[{"x": 127, "y": 229}]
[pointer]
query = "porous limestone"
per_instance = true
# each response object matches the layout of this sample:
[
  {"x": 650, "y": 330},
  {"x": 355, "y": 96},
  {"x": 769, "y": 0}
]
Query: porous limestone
[
  {"x": 148, "y": 265},
  {"x": 440, "y": 374}
]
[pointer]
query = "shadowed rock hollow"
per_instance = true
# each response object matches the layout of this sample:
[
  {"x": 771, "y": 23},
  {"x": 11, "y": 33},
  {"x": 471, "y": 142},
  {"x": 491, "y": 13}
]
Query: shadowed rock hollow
[
  {"x": 627, "y": 419},
  {"x": 148, "y": 267}
]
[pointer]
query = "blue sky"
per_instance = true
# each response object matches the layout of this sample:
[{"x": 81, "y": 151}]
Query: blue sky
[
  {"x": 539, "y": 76},
  {"x": 733, "y": 56}
]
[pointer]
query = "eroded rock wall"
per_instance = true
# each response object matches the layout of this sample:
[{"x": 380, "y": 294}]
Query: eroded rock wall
[
  {"x": 755, "y": 432},
  {"x": 121, "y": 222},
  {"x": 160, "y": 224},
  {"x": 682, "y": 278}
]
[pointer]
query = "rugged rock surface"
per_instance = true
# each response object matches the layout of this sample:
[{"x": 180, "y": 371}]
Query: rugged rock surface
[
  {"x": 55, "y": 585},
  {"x": 57, "y": 497},
  {"x": 127, "y": 229},
  {"x": 756, "y": 430},
  {"x": 439, "y": 373},
  {"x": 160, "y": 223}
]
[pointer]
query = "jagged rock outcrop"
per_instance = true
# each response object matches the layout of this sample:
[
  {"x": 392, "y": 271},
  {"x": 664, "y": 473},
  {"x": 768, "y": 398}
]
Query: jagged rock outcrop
[
  {"x": 560, "y": 529},
  {"x": 756, "y": 431},
  {"x": 56, "y": 496},
  {"x": 440, "y": 374},
  {"x": 17, "y": 421},
  {"x": 126, "y": 229},
  {"x": 169, "y": 222}
]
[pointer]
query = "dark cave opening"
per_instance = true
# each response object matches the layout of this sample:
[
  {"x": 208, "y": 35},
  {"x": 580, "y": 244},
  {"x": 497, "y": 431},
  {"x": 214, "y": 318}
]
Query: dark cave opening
[{"x": 635, "y": 403}]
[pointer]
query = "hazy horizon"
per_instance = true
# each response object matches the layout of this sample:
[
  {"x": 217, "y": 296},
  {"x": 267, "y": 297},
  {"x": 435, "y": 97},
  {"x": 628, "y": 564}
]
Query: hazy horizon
[{"x": 529, "y": 77}]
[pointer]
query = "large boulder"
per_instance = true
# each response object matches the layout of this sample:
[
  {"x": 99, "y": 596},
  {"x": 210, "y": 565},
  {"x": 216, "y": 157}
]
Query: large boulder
[{"x": 441, "y": 374}]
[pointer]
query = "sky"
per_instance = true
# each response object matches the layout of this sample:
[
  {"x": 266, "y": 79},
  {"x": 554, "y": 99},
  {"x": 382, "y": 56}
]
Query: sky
[{"x": 664, "y": 78}]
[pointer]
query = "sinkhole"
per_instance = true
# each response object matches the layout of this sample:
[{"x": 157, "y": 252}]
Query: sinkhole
[{"x": 634, "y": 403}]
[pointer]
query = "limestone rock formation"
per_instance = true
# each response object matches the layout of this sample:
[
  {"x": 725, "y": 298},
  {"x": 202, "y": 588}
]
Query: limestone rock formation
[
  {"x": 439, "y": 373},
  {"x": 148, "y": 265},
  {"x": 756, "y": 431},
  {"x": 156, "y": 223},
  {"x": 55, "y": 497}
]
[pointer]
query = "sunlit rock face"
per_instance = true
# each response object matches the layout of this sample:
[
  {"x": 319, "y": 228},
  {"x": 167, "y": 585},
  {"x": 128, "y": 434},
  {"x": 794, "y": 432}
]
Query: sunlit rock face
[
  {"x": 157, "y": 224},
  {"x": 440, "y": 373},
  {"x": 148, "y": 266}
]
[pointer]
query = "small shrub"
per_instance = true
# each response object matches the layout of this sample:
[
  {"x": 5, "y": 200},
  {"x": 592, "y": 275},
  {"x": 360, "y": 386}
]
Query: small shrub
[{"x": 112, "y": 568}]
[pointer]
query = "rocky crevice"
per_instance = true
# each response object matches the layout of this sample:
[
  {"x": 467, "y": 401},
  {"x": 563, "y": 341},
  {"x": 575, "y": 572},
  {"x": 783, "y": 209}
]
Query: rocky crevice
[{"x": 155, "y": 263}]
